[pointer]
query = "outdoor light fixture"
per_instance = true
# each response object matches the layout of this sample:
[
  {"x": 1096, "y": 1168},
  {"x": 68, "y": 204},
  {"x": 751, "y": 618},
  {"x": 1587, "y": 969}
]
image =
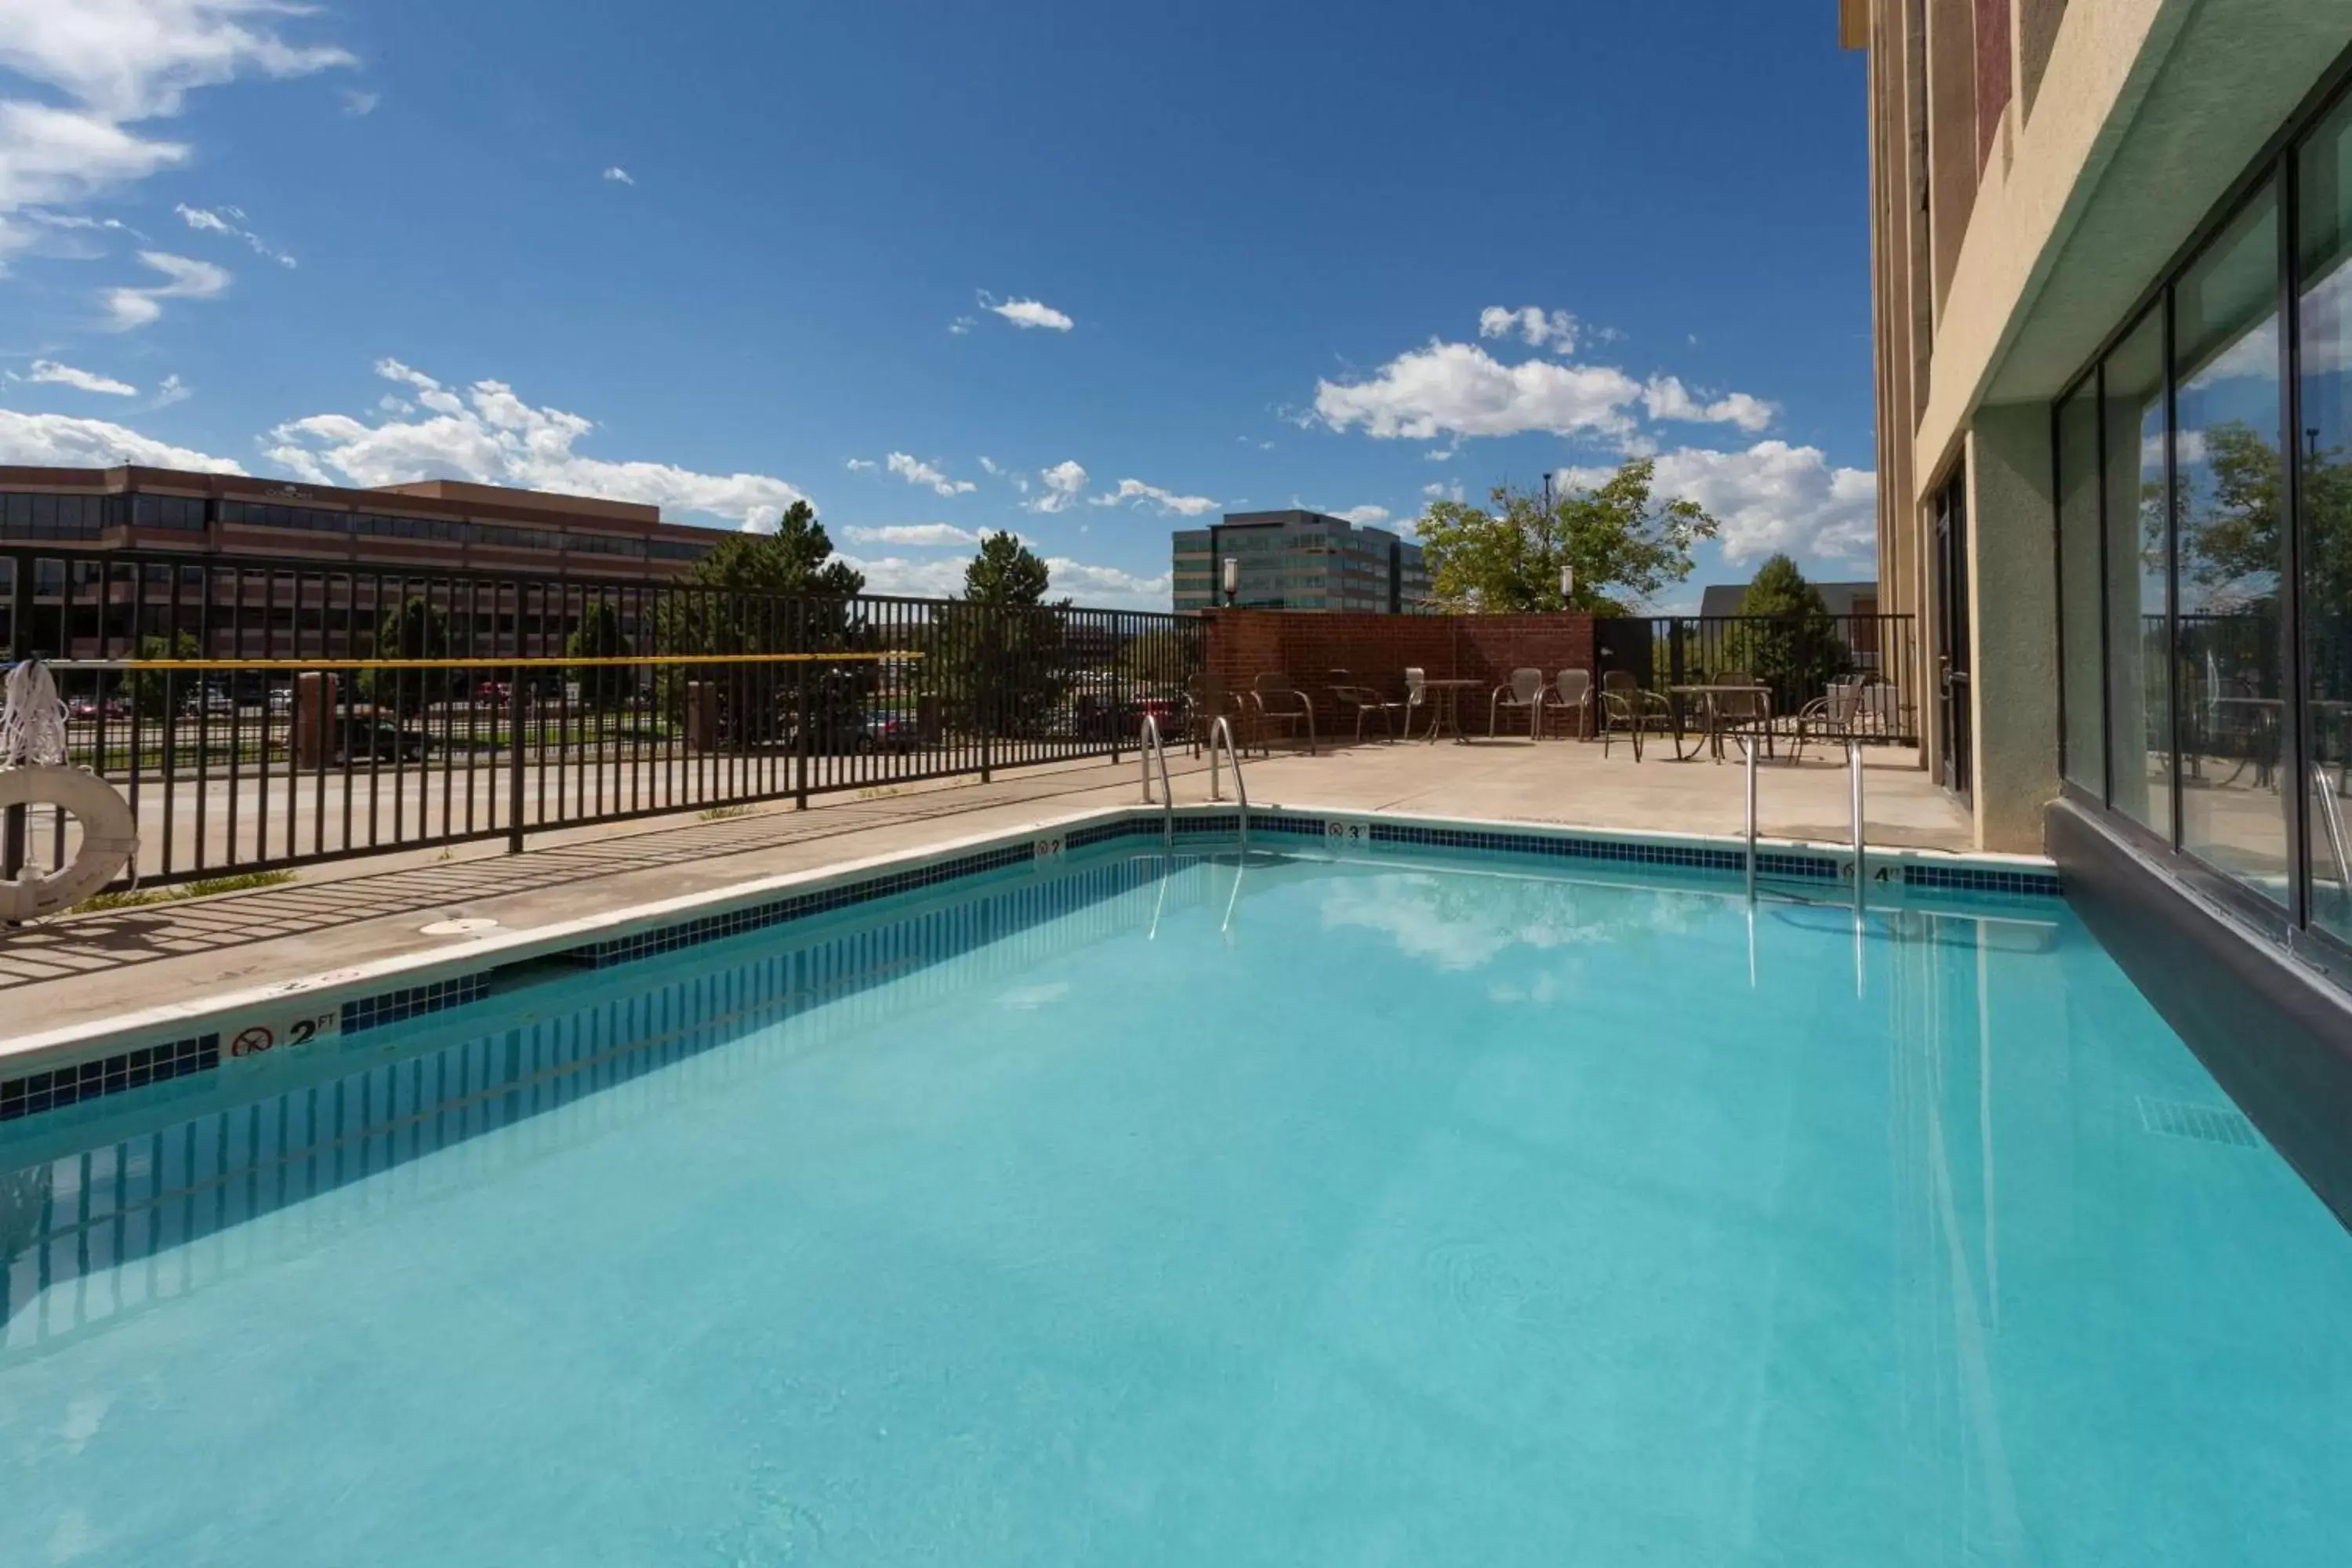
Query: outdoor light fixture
[
  {"x": 1566, "y": 585},
  {"x": 1233, "y": 579}
]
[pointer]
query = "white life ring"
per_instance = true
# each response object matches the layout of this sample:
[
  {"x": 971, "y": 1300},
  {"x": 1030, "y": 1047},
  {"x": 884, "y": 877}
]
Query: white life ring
[{"x": 109, "y": 838}]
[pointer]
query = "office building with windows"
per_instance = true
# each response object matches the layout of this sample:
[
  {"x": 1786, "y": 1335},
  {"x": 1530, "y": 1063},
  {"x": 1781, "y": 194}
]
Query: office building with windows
[
  {"x": 1298, "y": 560},
  {"x": 430, "y": 525},
  {"x": 2112, "y": 277},
  {"x": 94, "y": 560}
]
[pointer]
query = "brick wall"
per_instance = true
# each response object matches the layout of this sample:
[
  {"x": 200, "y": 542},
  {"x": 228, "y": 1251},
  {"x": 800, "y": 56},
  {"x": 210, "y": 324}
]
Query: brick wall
[{"x": 1377, "y": 650}]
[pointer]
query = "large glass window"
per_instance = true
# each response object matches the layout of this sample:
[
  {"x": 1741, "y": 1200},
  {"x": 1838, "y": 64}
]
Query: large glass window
[
  {"x": 2139, "y": 578},
  {"x": 2227, "y": 655},
  {"x": 2078, "y": 566},
  {"x": 2324, "y": 257}
]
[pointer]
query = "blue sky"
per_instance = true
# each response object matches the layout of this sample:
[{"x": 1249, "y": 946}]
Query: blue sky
[{"x": 1086, "y": 272}]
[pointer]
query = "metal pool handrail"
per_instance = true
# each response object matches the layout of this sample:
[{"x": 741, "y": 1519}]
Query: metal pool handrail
[
  {"x": 1224, "y": 727},
  {"x": 1853, "y": 768},
  {"x": 1861, "y": 871},
  {"x": 1150, "y": 752},
  {"x": 1747, "y": 745}
]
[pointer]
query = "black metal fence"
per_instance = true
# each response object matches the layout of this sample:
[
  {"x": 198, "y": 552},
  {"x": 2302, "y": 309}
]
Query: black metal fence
[
  {"x": 1795, "y": 658},
  {"x": 263, "y": 713}
]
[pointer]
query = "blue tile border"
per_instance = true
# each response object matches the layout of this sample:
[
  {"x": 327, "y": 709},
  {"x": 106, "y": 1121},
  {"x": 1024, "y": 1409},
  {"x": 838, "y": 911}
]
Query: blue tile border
[
  {"x": 397, "y": 1006},
  {"x": 800, "y": 906},
  {"x": 1982, "y": 880},
  {"x": 1698, "y": 857},
  {"x": 60, "y": 1087}
]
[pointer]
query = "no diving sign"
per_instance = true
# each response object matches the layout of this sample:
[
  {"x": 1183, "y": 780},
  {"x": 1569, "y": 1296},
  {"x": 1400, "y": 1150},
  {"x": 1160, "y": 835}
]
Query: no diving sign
[{"x": 256, "y": 1039}]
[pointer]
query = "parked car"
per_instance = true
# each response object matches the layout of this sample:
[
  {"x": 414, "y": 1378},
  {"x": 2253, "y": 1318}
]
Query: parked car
[
  {"x": 490, "y": 691},
  {"x": 212, "y": 701},
  {"x": 362, "y": 738}
]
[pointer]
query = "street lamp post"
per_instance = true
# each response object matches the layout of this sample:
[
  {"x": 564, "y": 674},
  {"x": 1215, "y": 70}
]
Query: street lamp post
[{"x": 1233, "y": 579}]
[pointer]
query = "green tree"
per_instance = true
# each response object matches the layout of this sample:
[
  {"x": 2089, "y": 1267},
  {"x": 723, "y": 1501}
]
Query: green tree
[
  {"x": 414, "y": 628},
  {"x": 766, "y": 594},
  {"x": 1624, "y": 544},
  {"x": 1000, "y": 661},
  {"x": 1785, "y": 637},
  {"x": 797, "y": 559},
  {"x": 1005, "y": 572},
  {"x": 599, "y": 635},
  {"x": 152, "y": 691}
]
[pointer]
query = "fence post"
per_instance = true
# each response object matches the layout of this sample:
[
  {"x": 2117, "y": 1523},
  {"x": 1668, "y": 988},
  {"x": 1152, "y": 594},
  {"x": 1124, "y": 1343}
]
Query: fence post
[
  {"x": 986, "y": 684},
  {"x": 514, "y": 745},
  {"x": 799, "y": 706},
  {"x": 20, "y": 645}
]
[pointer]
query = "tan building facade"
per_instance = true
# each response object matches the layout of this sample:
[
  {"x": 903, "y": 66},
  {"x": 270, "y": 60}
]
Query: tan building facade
[{"x": 2106, "y": 244}]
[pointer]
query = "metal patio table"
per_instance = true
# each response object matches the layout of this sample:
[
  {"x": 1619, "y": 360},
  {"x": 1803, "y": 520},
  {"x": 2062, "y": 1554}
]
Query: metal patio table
[{"x": 1708, "y": 698}]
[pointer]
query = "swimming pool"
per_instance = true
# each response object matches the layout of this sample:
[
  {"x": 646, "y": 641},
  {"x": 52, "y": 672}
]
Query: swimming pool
[{"x": 1406, "y": 1207}]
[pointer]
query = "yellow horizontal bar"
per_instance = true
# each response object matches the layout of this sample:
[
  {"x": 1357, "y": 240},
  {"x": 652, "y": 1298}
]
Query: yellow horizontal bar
[{"x": 552, "y": 661}]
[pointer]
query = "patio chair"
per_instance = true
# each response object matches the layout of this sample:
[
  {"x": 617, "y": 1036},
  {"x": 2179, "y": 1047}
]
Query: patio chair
[
  {"x": 1524, "y": 689},
  {"x": 1835, "y": 715},
  {"x": 1571, "y": 693},
  {"x": 1627, "y": 706},
  {"x": 1416, "y": 697},
  {"x": 1204, "y": 703},
  {"x": 1280, "y": 705},
  {"x": 1746, "y": 711},
  {"x": 1348, "y": 694}
]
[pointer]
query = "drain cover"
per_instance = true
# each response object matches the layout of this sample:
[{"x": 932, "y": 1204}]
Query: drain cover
[
  {"x": 2207, "y": 1123},
  {"x": 457, "y": 927}
]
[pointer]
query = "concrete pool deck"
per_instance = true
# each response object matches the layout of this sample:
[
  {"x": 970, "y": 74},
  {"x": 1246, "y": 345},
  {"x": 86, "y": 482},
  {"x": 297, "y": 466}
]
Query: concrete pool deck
[{"x": 86, "y": 968}]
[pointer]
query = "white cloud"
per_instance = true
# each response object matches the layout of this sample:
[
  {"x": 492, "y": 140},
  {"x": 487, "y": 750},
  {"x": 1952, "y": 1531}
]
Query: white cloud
[
  {"x": 1028, "y": 313},
  {"x": 1537, "y": 328},
  {"x": 862, "y": 465},
  {"x": 1362, "y": 516},
  {"x": 915, "y": 471},
  {"x": 1666, "y": 398},
  {"x": 941, "y": 576},
  {"x": 1459, "y": 389},
  {"x": 1062, "y": 483},
  {"x": 961, "y": 325},
  {"x": 1168, "y": 501},
  {"x": 55, "y": 374},
  {"x": 211, "y": 222},
  {"x": 174, "y": 390},
  {"x": 988, "y": 465},
  {"x": 186, "y": 278},
  {"x": 927, "y": 577},
  {"x": 491, "y": 437},
  {"x": 1773, "y": 495},
  {"x": 618, "y": 175},
  {"x": 920, "y": 535},
  {"x": 1107, "y": 588},
  {"x": 116, "y": 63},
  {"x": 62, "y": 441},
  {"x": 1437, "y": 489},
  {"x": 359, "y": 104}
]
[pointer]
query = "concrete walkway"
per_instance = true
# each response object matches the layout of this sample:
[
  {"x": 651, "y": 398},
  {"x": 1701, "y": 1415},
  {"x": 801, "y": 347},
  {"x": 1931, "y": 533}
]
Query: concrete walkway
[{"x": 88, "y": 967}]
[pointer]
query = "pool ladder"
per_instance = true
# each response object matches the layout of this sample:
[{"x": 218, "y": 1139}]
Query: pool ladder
[
  {"x": 1224, "y": 729},
  {"x": 1153, "y": 752},
  {"x": 1853, "y": 772},
  {"x": 1149, "y": 753}
]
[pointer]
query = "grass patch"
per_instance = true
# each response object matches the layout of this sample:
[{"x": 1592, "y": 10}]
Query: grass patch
[
  {"x": 721, "y": 812},
  {"x": 203, "y": 888}
]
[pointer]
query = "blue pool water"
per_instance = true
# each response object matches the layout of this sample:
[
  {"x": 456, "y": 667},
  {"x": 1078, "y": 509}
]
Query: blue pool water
[{"x": 1326, "y": 1211}]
